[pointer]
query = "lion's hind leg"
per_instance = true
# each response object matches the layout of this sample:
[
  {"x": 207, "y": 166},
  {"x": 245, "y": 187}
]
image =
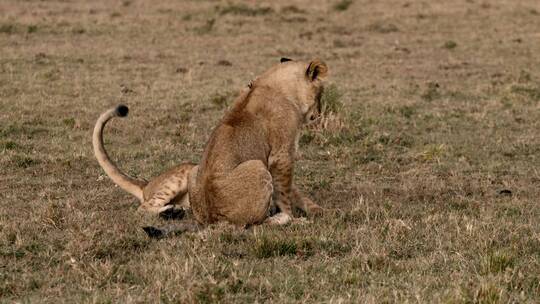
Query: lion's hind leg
[
  {"x": 243, "y": 196},
  {"x": 162, "y": 195},
  {"x": 158, "y": 203}
]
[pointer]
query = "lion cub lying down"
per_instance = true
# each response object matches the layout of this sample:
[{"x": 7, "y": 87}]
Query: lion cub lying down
[
  {"x": 162, "y": 193},
  {"x": 248, "y": 161}
]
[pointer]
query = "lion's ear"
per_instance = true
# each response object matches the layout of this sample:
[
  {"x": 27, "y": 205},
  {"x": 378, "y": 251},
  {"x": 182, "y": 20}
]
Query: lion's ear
[{"x": 316, "y": 70}]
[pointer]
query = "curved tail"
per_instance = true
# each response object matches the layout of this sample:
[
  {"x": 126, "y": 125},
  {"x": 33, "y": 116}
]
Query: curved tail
[{"x": 125, "y": 182}]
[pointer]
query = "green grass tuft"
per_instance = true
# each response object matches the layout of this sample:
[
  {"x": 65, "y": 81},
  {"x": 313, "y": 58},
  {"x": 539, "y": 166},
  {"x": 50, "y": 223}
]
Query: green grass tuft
[
  {"x": 222, "y": 100},
  {"x": 497, "y": 261},
  {"x": 450, "y": 45},
  {"x": 342, "y": 5},
  {"x": 331, "y": 100},
  {"x": 267, "y": 248},
  {"x": 78, "y": 30},
  {"x": 206, "y": 28},
  {"x": 292, "y": 9},
  {"x": 532, "y": 93},
  {"x": 244, "y": 10},
  {"x": 24, "y": 162},
  {"x": 32, "y": 29},
  {"x": 11, "y": 145},
  {"x": 7, "y": 28},
  {"x": 383, "y": 27},
  {"x": 69, "y": 122}
]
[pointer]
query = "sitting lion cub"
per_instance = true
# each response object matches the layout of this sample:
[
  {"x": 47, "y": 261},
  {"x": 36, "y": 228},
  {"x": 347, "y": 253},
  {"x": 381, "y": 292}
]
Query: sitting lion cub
[{"x": 249, "y": 158}]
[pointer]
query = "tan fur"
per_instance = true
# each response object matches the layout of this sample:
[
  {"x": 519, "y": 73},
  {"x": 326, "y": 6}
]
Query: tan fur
[
  {"x": 249, "y": 158},
  {"x": 160, "y": 194}
]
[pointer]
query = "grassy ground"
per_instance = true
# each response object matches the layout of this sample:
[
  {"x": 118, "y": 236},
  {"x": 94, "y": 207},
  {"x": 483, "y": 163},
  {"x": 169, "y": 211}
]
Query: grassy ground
[{"x": 432, "y": 184}]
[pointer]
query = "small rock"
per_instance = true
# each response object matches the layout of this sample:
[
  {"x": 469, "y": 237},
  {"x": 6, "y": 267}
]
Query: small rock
[{"x": 505, "y": 192}]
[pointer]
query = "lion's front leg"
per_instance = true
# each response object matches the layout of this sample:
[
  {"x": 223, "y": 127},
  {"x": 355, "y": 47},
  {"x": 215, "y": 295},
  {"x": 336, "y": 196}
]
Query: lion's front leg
[{"x": 281, "y": 169}]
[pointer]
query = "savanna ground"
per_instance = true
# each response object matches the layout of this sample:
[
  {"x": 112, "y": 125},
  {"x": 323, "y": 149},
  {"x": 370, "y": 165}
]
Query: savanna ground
[{"x": 431, "y": 183}]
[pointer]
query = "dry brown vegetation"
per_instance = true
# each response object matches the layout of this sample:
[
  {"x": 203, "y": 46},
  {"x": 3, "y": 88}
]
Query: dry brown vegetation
[{"x": 432, "y": 183}]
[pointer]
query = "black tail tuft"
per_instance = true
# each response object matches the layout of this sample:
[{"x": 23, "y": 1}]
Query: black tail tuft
[
  {"x": 122, "y": 110},
  {"x": 283, "y": 59},
  {"x": 154, "y": 233}
]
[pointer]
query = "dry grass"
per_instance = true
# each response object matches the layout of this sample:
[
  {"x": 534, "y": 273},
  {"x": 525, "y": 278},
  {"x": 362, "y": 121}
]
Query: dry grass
[{"x": 432, "y": 183}]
